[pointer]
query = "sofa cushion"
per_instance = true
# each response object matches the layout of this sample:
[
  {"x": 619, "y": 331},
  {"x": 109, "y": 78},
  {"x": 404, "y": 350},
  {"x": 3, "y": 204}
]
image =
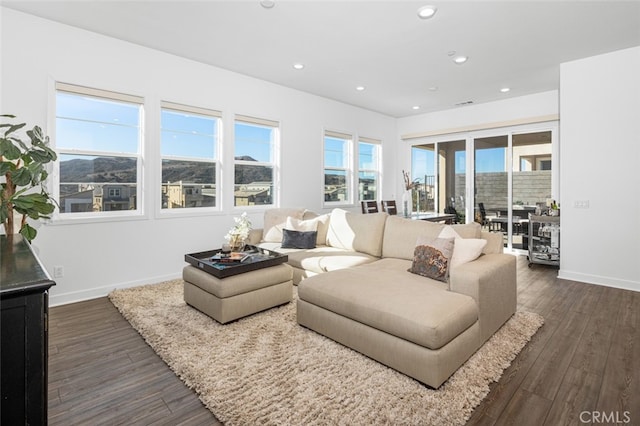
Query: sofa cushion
[
  {"x": 274, "y": 221},
  {"x": 400, "y": 235},
  {"x": 432, "y": 258},
  {"x": 357, "y": 232},
  {"x": 325, "y": 259},
  {"x": 495, "y": 243},
  {"x": 467, "y": 230},
  {"x": 405, "y": 305},
  {"x": 322, "y": 258}
]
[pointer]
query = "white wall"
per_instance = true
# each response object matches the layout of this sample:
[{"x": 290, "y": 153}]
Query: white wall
[
  {"x": 98, "y": 257},
  {"x": 508, "y": 110},
  {"x": 600, "y": 163}
]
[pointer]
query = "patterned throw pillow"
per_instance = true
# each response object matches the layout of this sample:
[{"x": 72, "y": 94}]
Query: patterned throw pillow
[{"x": 432, "y": 258}]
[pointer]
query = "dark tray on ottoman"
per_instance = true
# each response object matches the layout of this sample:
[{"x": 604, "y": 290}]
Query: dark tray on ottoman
[{"x": 254, "y": 258}]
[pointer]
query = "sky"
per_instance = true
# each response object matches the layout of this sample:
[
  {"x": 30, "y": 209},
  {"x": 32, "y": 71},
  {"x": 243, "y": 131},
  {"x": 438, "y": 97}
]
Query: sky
[
  {"x": 487, "y": 160},
  {"x": 113, "y": 127}
]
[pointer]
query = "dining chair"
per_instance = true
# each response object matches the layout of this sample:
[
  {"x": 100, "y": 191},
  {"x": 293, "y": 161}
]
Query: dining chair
[
  {"x": 369, "y": 206},
  {"x": 389, "y": 206}
]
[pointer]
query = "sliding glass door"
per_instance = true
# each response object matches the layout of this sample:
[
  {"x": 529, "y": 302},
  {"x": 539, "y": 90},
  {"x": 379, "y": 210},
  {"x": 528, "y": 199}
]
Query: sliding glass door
[
  {"x": 441, "y": 179},
  {"x": 531, "y": 181},
  {"x": 494, "y": 177},
  {"x": 512, "y": 179}
]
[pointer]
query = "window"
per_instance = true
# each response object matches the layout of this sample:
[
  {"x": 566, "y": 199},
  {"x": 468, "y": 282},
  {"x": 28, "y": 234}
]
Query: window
[
  {"x": 337, "y": 167},
  {"x": 256, "y": 142},
  {"x": 98, "y": 139},
  {"x": 189, "y": 150},
  {"x": 368, "y": 168}
]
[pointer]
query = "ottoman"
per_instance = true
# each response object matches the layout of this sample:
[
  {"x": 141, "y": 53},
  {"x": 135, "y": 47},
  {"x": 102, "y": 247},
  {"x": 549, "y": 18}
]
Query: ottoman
[{"x": 230, "y": 298}]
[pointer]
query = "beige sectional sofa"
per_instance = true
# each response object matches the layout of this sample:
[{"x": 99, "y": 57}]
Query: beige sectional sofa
[{"x": 355, "y": 288}]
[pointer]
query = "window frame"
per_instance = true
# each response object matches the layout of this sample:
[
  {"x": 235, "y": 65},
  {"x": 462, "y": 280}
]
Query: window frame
[
  {"x": 348, "y": 169},
  {"x": 216, "y": 160},
  {"x": 274, "y": 164},
  {"x": 378, "y": 165},
  {"x": 111, "y": 96}
]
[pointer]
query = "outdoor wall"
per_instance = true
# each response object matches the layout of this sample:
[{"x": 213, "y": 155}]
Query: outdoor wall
[
  {"x": 529, "y": 188},
  {"x": 100, "y": 256},
  {"x": 599, "y": 159}
]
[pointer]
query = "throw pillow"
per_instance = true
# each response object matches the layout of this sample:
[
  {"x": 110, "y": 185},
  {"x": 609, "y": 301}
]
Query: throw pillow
[
  {"x": 301, "y": 225},
  {"x": 298, "y": 239},
  {"x": 449, "y": 232},
  {"x": 274, "y": 221},
  {"x": 318, "y": 223},
  {"x": 465, "y": 249},
  {"x": 431, "y": 258}
]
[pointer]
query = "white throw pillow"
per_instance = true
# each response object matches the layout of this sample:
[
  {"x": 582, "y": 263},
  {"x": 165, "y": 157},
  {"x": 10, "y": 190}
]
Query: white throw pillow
[
  {"x": 294, "y": 224},
  {"x": 465, "y": 249},
  {"x": 275, "y": 220}
]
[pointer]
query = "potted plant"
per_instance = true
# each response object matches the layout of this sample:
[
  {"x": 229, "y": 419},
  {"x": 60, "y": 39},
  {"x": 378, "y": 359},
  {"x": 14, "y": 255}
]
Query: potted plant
[{"x": 22, "y": 163}]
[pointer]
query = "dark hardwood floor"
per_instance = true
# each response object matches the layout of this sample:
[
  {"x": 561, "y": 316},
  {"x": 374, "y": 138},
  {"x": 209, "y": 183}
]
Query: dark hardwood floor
[{"x": 582, "y": 367}]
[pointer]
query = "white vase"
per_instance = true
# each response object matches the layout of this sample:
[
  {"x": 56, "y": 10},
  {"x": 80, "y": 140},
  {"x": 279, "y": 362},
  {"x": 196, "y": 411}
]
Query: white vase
[{"x": 407, "y": 203}]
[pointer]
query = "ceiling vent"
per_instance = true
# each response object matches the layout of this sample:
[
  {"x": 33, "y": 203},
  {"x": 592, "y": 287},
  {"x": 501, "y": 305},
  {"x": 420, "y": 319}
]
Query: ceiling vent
[{"x": 465, "y": 103}]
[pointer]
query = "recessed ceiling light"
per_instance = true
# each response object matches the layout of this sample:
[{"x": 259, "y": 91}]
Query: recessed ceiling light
[
  {"x": 460, "y": 59},
  {"x": 426, "y": 12},
  {"x": 298, "y": 66},
  {"x": 267, "y": 4},
  {"x": 415, "y": 107},
  {"x": 360, "y": 88},
  {"x": 433, "y": 88},
  {"x": 505, "y": 89}
]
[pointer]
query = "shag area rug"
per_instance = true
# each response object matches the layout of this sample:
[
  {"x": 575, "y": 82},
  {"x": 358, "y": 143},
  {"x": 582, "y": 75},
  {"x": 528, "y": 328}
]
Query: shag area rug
[{"x": 267, "y": 369}]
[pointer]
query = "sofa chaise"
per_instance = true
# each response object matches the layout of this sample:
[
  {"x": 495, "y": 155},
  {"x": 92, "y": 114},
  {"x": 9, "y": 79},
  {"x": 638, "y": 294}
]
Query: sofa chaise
[{"x": 361, "y": 286}]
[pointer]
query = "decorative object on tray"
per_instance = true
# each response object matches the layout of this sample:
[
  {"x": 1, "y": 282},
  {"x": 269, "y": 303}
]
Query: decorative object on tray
[{"x": 239, "y": 233}]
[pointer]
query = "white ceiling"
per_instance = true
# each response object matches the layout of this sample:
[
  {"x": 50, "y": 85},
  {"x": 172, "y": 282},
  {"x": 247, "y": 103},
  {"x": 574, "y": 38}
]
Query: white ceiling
[{"x": 381, "y": 45}]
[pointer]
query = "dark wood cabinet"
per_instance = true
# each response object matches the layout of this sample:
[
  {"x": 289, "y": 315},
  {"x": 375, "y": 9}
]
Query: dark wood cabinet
[{"x": 24, "y": 305}]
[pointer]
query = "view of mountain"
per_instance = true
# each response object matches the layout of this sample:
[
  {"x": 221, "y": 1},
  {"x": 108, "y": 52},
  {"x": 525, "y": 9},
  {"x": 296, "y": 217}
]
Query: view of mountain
[
  {"x": 99, "y": 170},
  {"x": 124, "y": 170}
]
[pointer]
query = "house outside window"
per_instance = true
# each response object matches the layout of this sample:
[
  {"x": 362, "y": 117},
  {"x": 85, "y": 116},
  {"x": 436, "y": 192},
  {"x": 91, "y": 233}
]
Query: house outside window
[
  {"x": 189, "y": 149},
  {"x": 255, "y": 161},
  {"x": 337, "y": 168},
  {"x": 368, "y": 169},
  {"x": 98, "y": 139}
]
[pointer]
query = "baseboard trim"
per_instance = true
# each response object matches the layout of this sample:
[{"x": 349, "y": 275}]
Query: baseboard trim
[
  {"x": 599, "y": 280},
  {"x": 94, "y": 293}
]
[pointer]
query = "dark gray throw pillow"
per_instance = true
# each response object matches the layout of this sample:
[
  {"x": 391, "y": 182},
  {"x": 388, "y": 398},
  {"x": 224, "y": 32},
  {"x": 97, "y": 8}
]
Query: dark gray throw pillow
[{"x": 299, "y": 239}]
